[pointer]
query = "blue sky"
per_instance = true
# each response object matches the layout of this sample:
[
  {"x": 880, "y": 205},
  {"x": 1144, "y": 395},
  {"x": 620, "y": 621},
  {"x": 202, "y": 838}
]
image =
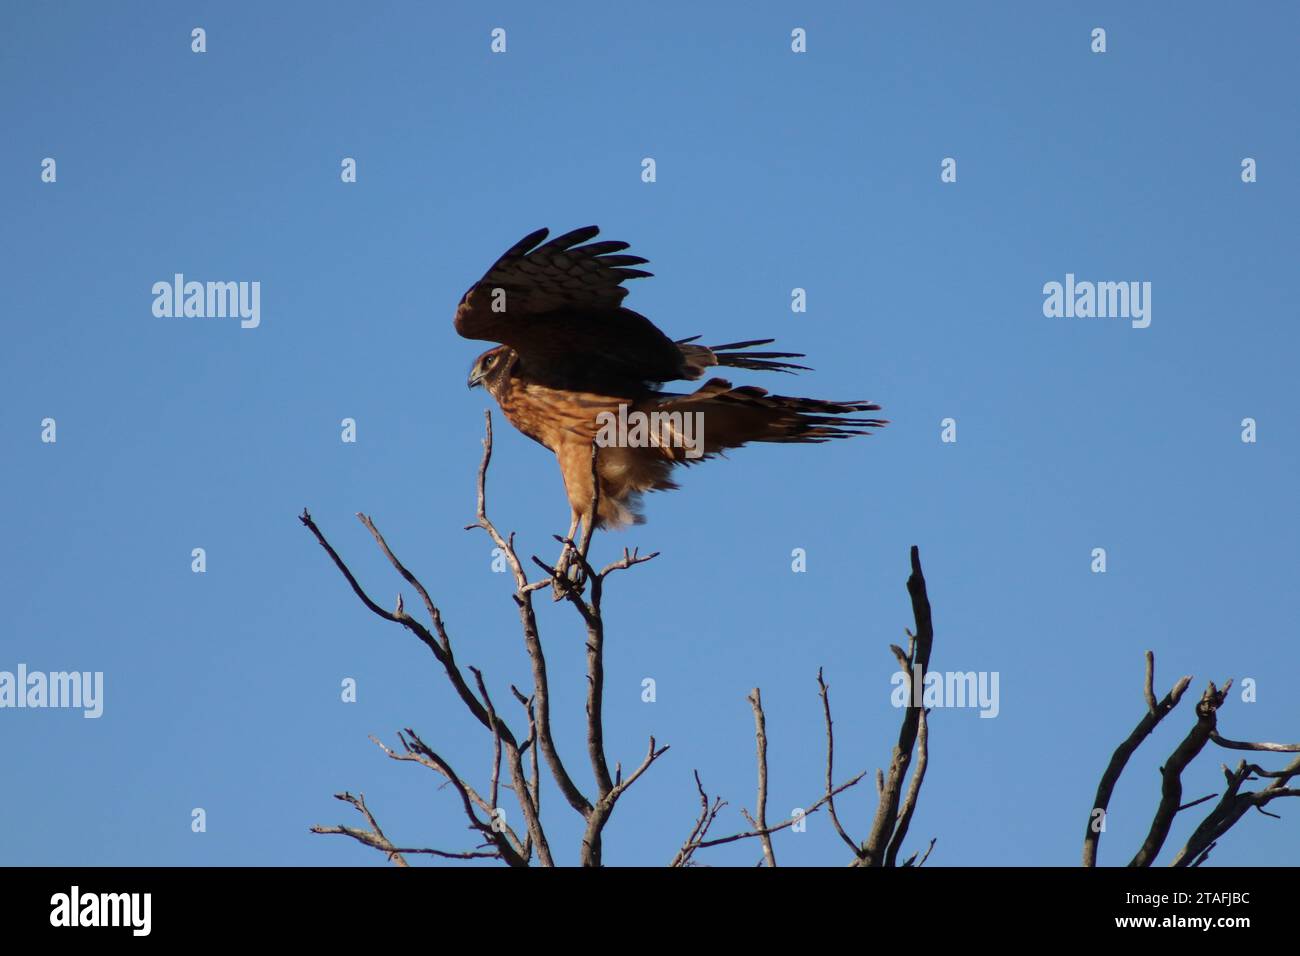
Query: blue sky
[{"x": 775, "y": 170}]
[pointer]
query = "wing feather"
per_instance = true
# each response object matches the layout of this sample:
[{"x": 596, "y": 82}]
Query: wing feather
[{"x": 559, "y": 304}]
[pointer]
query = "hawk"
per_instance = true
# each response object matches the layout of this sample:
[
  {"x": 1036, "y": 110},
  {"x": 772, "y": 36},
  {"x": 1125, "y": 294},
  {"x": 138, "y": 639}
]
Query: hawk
[{"x": 575, "y": 368}]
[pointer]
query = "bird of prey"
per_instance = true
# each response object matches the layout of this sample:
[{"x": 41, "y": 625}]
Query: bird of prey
[{"x": 575, "y": 368}]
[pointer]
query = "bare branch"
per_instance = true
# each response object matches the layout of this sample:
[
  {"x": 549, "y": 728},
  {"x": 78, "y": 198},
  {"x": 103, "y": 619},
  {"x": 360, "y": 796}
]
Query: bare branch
[
  {"x": 824, "y": 692},
  {"x": 1148, "y": 689},
  {"x": 440, "y": 645},
  {"x": 490, "y": 833},
  {"x": 652, "y": 754},
  {"x": 604, "y": 808},
  {"x": 874, "y": 851},
  {"x": 1232, "y": 806},
  {"x": 411, "y": 755},
  {"x": 434, "y": 615},
  {"x": 1118, "y": 760},
  {"x": 913, "y": 790},
  {"x": 913, "y": 861},
  {"x": 750, "y": 834},
  {"x": 707, "y": 815},
  {"x": 760, "y": 738},
  {"x": 494, "y": 792},
  {"x": 1171, "y": 784},
  {"x": 1243, "y": 745},
  {"x": 373, "y": 837},
  {"x": 596, "y": 692},
  {"x": 306, "y": 519}
]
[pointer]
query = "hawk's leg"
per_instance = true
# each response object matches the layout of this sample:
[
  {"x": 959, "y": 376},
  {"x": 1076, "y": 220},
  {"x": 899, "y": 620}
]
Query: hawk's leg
[
  {"x": 573, "y": 560},
  {"x": 588, "y": 528}
]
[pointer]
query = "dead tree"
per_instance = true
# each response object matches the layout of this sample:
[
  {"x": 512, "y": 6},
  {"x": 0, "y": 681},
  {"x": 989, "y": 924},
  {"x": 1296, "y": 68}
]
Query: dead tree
[{"x": 517, "y": 757}]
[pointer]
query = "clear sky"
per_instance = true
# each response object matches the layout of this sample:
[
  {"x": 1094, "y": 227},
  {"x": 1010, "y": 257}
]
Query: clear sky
[{"x": 775, "y": 171}]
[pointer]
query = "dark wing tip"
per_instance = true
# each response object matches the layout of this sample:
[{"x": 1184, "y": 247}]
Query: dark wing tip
[
  {"x": 573, "y": 238},
  {"x": 527, "y": 242},
  {"x": 631, "y": 274}
]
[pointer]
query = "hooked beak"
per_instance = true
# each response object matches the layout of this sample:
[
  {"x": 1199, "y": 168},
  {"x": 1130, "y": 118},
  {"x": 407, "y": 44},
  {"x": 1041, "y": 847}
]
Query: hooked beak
[{"x": 475, "y": 379}]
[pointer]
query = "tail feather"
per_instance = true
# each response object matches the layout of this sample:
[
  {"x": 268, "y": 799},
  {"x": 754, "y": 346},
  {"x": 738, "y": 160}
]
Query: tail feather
[
  {"x": 700, "y": 358},
  {"x": 732, "y": 417}
]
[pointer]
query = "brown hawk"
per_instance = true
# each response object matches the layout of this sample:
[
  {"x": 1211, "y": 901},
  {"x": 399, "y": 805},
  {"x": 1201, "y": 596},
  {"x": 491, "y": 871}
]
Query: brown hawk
[{"x": 576, "y": 368}]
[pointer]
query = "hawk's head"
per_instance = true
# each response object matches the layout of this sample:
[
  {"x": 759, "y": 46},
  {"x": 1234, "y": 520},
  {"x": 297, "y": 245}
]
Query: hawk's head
[{"x": 492, "y": 368}]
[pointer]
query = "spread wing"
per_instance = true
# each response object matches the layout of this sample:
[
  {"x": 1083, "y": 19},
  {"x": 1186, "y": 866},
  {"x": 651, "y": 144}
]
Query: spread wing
[{"x": 559, "y": 304}]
